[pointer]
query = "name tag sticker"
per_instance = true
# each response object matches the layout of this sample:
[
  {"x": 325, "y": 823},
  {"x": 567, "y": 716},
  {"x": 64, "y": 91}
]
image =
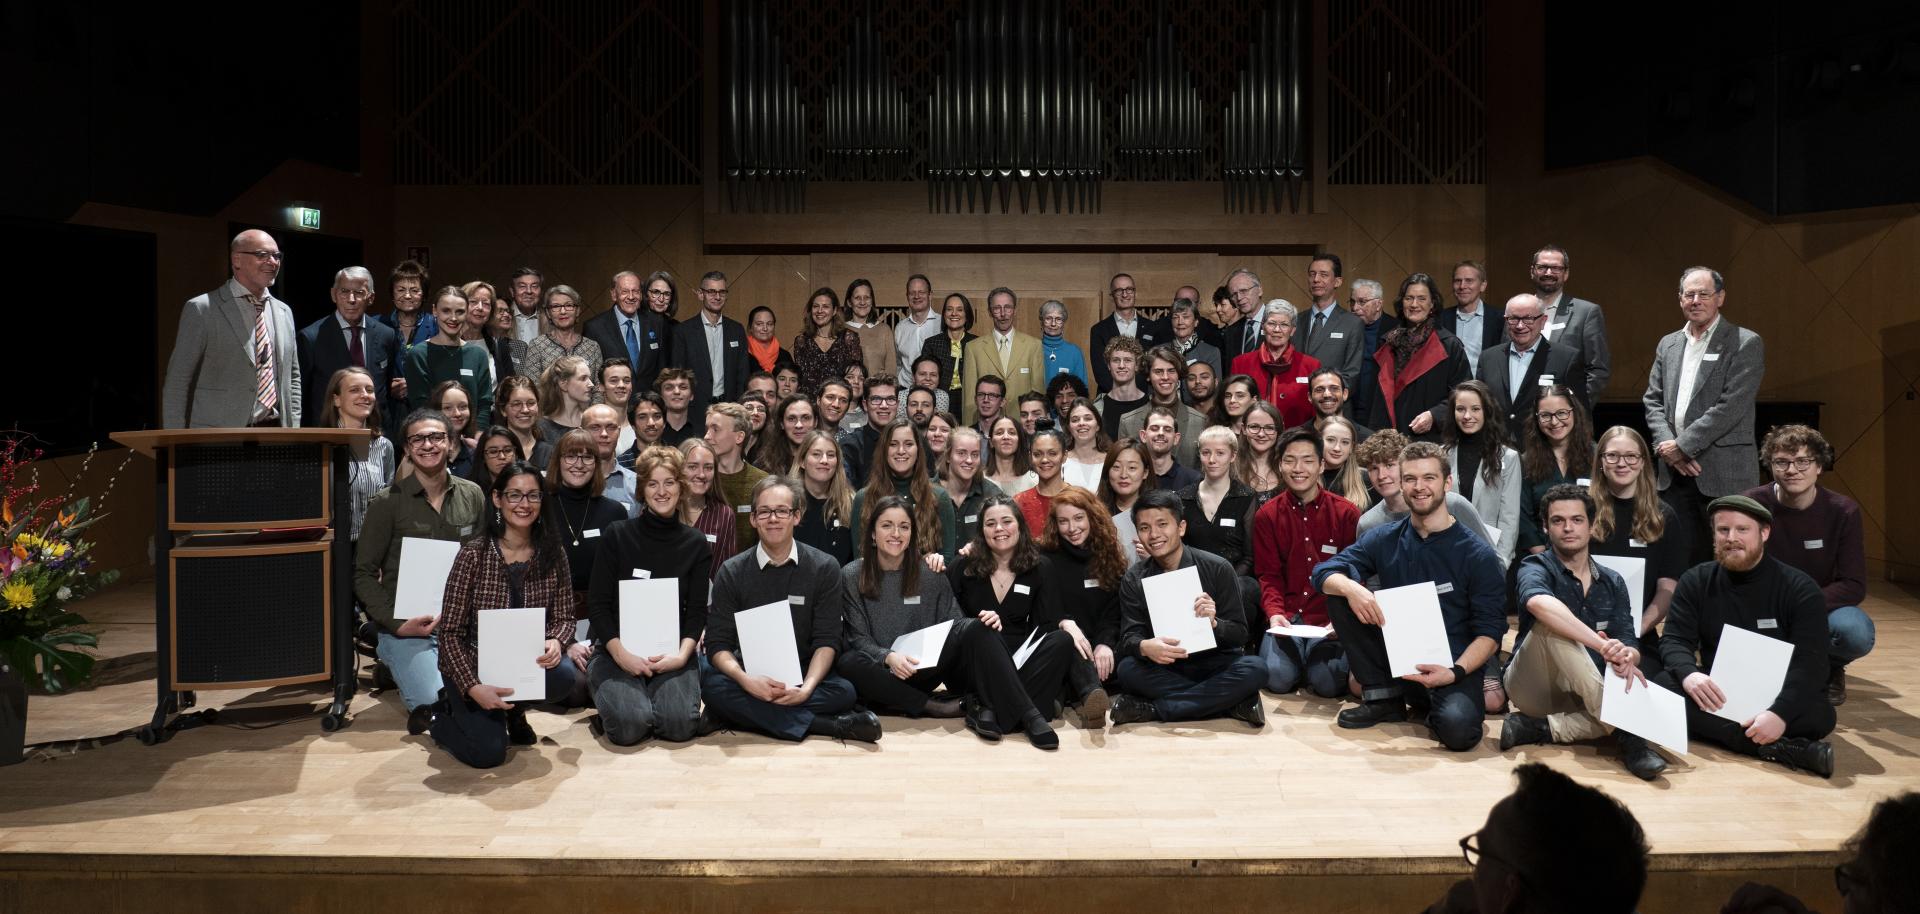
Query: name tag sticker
[
  {"x": 653, "y": 345},
  {"x": 1022, "y": 589},
  {"x": 383, "y": 363},
  {"x": 970, "y": 519},
  {"x": 1327, "y": 549},
  {"x": 642, "y": 574},
  {"x": 1814, "y": 544},
  {"x": 743, "y": 509},
  {"x": 590, "y": 534},
  {"x": 466, "y": 372},
  {"x": 1553, "y": 327},
  {"x": 1090, "y": 584},
  {"x": 837, "y": 524},
  {"x": 733, "y": 344},
  {"x": 1583, "y": 482},
  {"x": 1768, "y": 623},
  {"x": 1710, "y": 357},
  {"x": 1336, "y": 335},
  {"x": 911, "y": 601},
  {"x": 1443, "y": 587},
  {"x": 1601, "y": 625},
  {"x": 466, "y": 530},
  {"x": 1635, "y": 544},
  {"x": 1300, "y": 380},
  {"x": 1064, "y": 369},
  {"x": 1546, "y": 380},
  {"x": 712, "y": 538},
  {"x": 797, "y": 599},
  {"x": 1026, "y": 369}
]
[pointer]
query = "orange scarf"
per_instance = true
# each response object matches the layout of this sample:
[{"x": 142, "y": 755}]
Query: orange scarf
[{"x": 767, "y": 354}]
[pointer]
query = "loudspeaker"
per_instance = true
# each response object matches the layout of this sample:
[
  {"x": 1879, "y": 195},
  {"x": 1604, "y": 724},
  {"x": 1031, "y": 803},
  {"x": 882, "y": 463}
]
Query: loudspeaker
[{"x": 13, "y": 717}]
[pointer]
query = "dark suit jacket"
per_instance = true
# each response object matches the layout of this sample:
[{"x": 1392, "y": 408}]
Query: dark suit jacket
[
  {"x": 1233, "y": 340},
  {"x": 604, "y": 329},
  {"x": 1360, "y": 393},
  {"x": 1493, "y": 325},
  {"x": 1564, "y": 363},
  {"x": 323, "y": 351},
  {"x": 1149, "y": 333},
  {"x": 690, "y": 351},
  {"x": 1340, "y": 345}
]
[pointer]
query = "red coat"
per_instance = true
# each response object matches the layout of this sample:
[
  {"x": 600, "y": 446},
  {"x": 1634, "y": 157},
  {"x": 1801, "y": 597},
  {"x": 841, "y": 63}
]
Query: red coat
[{"x": 1282, "y": 383}]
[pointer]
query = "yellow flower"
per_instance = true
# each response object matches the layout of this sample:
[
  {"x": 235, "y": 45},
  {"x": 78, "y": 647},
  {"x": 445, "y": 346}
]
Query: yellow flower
[
  {"x": 18, "y": 594},
  {"x": 55, "y": 549},
  {"x": 28, "y": 541}
]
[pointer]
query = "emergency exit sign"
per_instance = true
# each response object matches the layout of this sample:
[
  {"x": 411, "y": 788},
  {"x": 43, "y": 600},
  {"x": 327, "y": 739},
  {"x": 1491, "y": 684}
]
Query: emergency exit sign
[{"x": 309, "y": 217}]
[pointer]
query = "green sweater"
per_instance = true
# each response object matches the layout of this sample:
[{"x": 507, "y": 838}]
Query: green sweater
[
  {"x": 737, "y": 489},
  {"x": 943, "y": 506},
  {"x": 429, "y": 363}
]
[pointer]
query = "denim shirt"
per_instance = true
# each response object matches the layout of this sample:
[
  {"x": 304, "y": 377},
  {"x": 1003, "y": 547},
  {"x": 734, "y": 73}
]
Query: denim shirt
[{"x": 1604, "y": 607}]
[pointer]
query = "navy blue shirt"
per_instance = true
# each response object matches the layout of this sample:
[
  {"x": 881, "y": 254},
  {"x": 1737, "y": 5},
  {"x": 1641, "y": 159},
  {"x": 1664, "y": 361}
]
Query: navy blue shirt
[
  {"x": 1604, "y": 607},
  {"x": 1473, "y": 589}
]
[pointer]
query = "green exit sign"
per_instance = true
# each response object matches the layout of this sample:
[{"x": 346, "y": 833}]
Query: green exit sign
[{"x": 309, "y": 217}]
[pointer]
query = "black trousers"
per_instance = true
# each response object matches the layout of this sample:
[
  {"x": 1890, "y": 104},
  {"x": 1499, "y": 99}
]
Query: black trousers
[
  {"x": 973, "y": 661},
  {"x": 478, "y": 737},
  {"x": 1456, "y": 713},
  {"x": 1207, "y": 684},
  {"x": 1810, "y": 719},
  {"x": 1690, "y": 504},
  {"x": 1045, "y": 675}
]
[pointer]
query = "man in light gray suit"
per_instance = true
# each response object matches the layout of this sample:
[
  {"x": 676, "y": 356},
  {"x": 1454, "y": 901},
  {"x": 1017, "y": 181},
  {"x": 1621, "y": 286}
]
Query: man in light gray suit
[
  {"x": 1571, "y": 321},
  {"x": 1700, "y": 405},
  {"x": 234, "y": 360},
  {"x": 1331, "y": 334}
]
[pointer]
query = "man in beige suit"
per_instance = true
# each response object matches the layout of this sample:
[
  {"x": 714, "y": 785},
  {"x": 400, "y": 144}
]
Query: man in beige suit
[
  {"x": 234, "y": 362},
  {"x": 1003, "y": 352}
]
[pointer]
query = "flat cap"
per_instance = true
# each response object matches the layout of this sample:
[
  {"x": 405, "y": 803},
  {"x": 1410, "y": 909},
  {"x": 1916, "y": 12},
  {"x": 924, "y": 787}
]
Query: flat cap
[{"x": 1742, "y": 504}]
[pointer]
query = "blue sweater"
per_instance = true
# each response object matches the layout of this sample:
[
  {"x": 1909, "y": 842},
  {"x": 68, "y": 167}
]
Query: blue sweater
[
  {"x": 1473, "y": 587},
  {"x": 1062, "y": 357}
]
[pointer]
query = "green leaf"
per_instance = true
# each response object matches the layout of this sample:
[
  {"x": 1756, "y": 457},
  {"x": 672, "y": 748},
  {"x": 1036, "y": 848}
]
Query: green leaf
[{"x": 61, "y": 669}]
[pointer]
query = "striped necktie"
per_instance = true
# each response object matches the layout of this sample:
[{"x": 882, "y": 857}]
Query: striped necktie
[{"x": 265, "y": 395}]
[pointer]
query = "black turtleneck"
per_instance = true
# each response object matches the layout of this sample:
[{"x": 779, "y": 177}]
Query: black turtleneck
[
  {"x": 1772, "y": 599},
  {"x": 1094, "y": 609},
  {"x": 581, "y": 520},
  {"x": 661, "y": 547},
  {"x": 1468, "y": 457}
]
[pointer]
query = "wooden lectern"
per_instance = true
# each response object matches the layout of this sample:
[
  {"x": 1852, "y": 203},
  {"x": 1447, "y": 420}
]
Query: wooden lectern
[{"x": 253, "y": 563}]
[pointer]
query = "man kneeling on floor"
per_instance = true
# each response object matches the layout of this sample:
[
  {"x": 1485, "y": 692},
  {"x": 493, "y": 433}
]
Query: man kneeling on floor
[
  {"x": 1162, "y": 679},
  {"x": 781, "y": 569},
  {"x": 1584, "y": 624},
  {"x": 1426, "y": 545}
]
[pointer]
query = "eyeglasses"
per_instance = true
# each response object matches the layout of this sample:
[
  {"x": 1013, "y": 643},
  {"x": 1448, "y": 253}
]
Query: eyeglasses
[
  {"x": 578, "y": 459},
  {"x": 1548, "y": 268},
  {"x": 1123, "y": 293},
  {"x": 1797, "y": 464},
  {"x": 492, "y": 451},
  {"x": 1252, "y": 429},
  {"x": 984, "y": 396},
  {"x": 882, "y": 401},
  {"x": 714, "y": 293},
  {"x": 1621, "y": 460},
  {"x": 556, "y": 306},
  {"x": 354, "y": 293},
  {"x": 660, "y": 293},
  {"x": 779, "y": 512},
  {"x": 521, "y": 498},
  {"x": 427, "y": 438},
  {"x": 274, "y": 256},
  {"x": 1556, "y": 417},
  {"x": 1697, "y": 296},
  {"x": 1522, "y": 320}
]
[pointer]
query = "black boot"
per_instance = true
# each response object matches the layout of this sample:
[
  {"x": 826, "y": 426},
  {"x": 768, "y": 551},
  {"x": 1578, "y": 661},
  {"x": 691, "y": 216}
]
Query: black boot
[
  {"x": 519, "y": 732},
  {"x": 858, "y": 724},
  {"x": 1040, "y": 732},
  {"x": 1092, "y": 709},
  {"x": 1251, "y": 712},
  {"x": 1521, "y": 730},
  {"x": 1638, "y": 755},
  {"x": 1367, "y": 714},
  {"x": 1128, "y": 709},
  {"x": 419, "y": 720},
  {"x": 1837, "y": 684},
  {"x": 1801, "y": 754}
]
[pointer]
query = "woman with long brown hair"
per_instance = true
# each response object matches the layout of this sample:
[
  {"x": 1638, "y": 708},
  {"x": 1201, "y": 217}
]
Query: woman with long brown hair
[
  {"x": 825, "y": 347},
  {"x": 1084, "y": 569},
  {"x": 877, "y": 347},
  {"x": 1559, "y": 445},
  {"x": 705, "y": 509},
  {"x": 1485, "y": 467},
  {"x": 1343, "y": 475},
  {"x": 1258, "y": 464},
  {"x": 1002, "y": 583},
  {"x": 900, "y": 468},
  {"x": 827, "y": 524},
  {"x": 1631, "y": 520}
]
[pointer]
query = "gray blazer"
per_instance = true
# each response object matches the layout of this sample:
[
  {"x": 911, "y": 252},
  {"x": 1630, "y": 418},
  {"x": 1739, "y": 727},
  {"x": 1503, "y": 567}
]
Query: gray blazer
[
  {"x": 210, "y": 380},
  {"x": 1498, "y": 506},
  {"x": 1340, "y": 345},
  {"x": 1187, "y": 419},
  {"x": 1718, "y": 427},
  {"x": 1579, "y": 322},
  {"x": 1204, "y": 351}
]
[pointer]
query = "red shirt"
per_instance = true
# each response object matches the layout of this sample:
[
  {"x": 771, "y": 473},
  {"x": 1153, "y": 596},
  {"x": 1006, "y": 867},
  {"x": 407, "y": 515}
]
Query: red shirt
[
  {"x": 1290, "y": 538},
  {"x": 1281, "y": 382},
  {"x": 1034, "y": 507}
]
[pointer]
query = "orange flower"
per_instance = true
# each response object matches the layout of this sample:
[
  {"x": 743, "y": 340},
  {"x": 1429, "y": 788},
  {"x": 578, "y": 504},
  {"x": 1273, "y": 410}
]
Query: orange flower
[
  {"x": 66, "y": 518},
  {"x": 6, "y": 512},
  {"x": 20, "y": 552}
]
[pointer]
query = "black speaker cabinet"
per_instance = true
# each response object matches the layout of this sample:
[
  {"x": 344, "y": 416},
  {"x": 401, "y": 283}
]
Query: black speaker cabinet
[{"x": 250, "y": 615}]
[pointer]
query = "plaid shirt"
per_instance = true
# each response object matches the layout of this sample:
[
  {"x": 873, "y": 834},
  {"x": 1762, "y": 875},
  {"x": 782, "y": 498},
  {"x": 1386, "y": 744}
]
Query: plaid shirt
[{"x": 479, "y": 581}]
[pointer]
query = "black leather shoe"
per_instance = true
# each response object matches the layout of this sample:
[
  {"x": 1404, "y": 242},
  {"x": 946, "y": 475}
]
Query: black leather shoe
[
  {"x": 1837, "y": 685},
  {"x": 706, "y": 725},
  {"x": 419, "y": 720},
  {"x": 596, "y": 726},
  {"x": 1129, "y": 710},
  {"x": 1362, "y": 716},
  {"x": 982, "y": 722},
  {"x": 1522, "y": 730},
  {"x": 943, "y": 708},
  {"x": 859, "y": 724},
  {"x": 1251, "y": 711},
  {"x": 1800, "y": 754},
  {"x": 1092, "y": 709},
  {"x": 519, "y": 732},
  {"x": 1641, "y": 759},
  {"x": 1040, "y": 732}
]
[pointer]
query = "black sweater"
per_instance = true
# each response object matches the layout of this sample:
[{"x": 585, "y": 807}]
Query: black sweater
[
  {"x": 833, "y": 538},
  {"x": 810, "y": 576},
  {"x": 663, "y": 548},
  {"x": 581, "y": 520},
  {"x": 1096, "y": 611},
  {"x": 1216, "y": 578},
  {"x": 1665, "y": 557},
  {"x": 1774, "y": 599},
  {"x": 1030, "y": 603},
  {"x": 1227, "y": 535}
]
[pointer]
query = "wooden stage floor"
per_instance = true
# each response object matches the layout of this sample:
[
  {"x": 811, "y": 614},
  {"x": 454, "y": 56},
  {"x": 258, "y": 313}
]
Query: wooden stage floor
[{"x": 1300, "y": 797}]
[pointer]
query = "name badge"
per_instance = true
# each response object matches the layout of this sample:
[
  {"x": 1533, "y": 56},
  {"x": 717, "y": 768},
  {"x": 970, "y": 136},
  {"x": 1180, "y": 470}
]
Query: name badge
[
  {"x": 590, "y": 534},
  {"x": 383, "y": 364},
  {"x": 466, "y": 530},
  {"x": 1336, "y": 335},
  {"x": 1064, "y": 369},
  {"x": 1022, "y": 589},
  {"x": 797, "y": 599},
  {"x": 1546, "y": 380},
  {"x": 1300, "y": 380},
  {"x": 744, "y": 509},
  {"x": 970, "y": 519},
  {"x": 712, "y": 538},
  {"x": 1443, "y": 587},
  {"x": 466, "y": 372},
  {"x": 1583, "y": 481},
  {"x": 1190, "y": 363},
  {"x": 1229, "y": 522},
  {"x": 1768, "y": 623},
  {"x": 1601, "y": 625},
  {"x": 1553, "y": 327},
  {"x": 1327, "y": 549},
  {"x": 642, "y": 574},
  {"x": 911, "y": 601},
  {"x": 733, "y": 344},
  {"x": 1090, "y": 584},
  {"x": 653, "y": 345},
  {"x": 1814, "y": 544},
  {"x": 1710, "y": 357},
  {"x": 1026, "y": 369},
  {"x": 1635, "y": 544},
  {"x": 837, "y": 524}
]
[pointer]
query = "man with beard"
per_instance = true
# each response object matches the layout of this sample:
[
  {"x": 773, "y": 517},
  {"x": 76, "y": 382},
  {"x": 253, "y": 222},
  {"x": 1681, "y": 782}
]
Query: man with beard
[
  {"x": 1328, "y": 391},
  {"x": 1743, "y": 587},
  {"x": 1426, "y": 546}
]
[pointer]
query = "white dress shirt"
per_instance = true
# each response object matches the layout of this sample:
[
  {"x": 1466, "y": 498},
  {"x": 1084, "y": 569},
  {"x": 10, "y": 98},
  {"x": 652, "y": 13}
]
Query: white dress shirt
[{"x": 1689, "y": 373}]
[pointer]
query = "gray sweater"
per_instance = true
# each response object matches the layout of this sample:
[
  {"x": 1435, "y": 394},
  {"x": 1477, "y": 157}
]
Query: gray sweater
[{"x": 872, "y": 625}]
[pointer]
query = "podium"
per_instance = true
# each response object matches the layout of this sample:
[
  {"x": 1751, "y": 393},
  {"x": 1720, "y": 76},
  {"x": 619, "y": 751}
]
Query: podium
[{"x": 253, "y": 564}]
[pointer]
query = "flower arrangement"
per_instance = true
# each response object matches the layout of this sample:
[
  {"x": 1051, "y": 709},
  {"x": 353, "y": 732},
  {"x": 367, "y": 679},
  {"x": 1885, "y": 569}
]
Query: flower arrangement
[{"x": 44, "y": 566}]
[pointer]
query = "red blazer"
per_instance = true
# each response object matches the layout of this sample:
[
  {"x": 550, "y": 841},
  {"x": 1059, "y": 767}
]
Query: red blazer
[{"x": 1283, "y": 383}]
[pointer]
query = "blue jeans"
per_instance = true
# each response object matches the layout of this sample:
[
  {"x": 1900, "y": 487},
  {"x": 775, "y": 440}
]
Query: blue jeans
[
  {"x": 1319, "y": 661},
  {"x": 1851, "y": 631},
  {"x": 415, "y": 665}
]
